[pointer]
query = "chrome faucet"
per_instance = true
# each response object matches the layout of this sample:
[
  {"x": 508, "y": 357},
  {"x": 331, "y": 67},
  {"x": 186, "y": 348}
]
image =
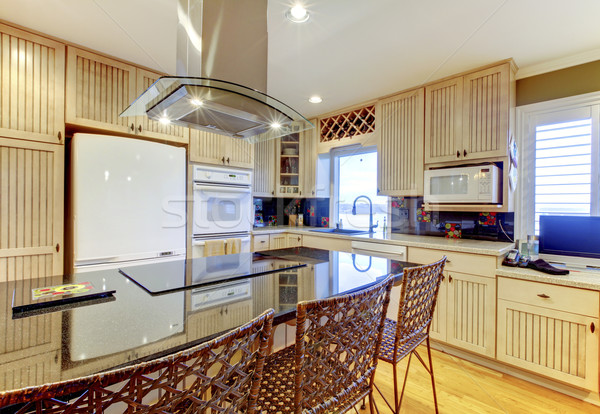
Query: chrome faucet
[{"x": 371, "y": 226}]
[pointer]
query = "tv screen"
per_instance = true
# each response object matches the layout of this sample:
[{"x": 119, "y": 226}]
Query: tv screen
[{"x": 570, "y": 236}]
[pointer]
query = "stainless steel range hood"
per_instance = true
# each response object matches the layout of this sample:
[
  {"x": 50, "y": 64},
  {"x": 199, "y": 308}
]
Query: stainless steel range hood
[{"x": 219, "y": 89}]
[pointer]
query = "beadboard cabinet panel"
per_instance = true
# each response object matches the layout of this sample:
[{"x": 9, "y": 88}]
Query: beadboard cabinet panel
[
  {"x": 31, "y": 209},
  {"x": 401, "y": 142},
  {"x": 98, "y": 89},
  {"x": 32, "y": 71},
  {"x": 264, "y": 169},
  {"x": 211, "y": 148}
]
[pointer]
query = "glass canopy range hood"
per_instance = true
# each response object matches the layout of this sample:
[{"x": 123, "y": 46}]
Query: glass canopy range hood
[
  {"x": 221, "y": 46},
  {"x": 217, "y": 106}
]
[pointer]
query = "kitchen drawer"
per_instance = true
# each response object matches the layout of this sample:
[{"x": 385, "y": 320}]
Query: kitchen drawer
[
  {"x": 562, "y": 298},
  {"x": 476, "y": 264},
  {"x": 260, "y": 242}
]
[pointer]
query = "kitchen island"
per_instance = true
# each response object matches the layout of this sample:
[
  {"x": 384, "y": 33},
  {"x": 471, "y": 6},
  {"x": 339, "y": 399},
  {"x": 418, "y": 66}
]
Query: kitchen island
[{"x": 144, "y": 321}]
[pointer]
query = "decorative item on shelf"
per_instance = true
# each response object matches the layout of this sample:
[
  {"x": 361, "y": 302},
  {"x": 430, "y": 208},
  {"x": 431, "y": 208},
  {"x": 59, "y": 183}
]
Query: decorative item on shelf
[
  {"x": 453, "y": 231},
  {"x": 487, "y": 219},
  {"x": 272, "y": 220},
  {"x": 325, "y": 221},
  {"x": 398, "y": 202},
  {"x": 258, "y": 219},
  {"x": 423, "y": 216},
  {"x": 311, "y": 211}
]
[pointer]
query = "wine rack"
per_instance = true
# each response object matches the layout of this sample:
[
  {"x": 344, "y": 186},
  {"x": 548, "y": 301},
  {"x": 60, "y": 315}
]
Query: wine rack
[{"x": 357, "y": 122}]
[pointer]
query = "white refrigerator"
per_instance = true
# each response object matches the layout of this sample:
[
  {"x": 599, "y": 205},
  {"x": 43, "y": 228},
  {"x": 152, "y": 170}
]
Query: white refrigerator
[
  {"x": 127, "y": 200},
  {"x": 127, "y": 207}
]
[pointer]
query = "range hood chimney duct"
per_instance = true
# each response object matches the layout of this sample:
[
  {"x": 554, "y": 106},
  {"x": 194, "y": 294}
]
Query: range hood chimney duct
[{"x": 222, "y": 48}]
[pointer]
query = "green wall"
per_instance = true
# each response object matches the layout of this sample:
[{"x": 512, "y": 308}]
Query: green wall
[{"x": 575, "y": 80}]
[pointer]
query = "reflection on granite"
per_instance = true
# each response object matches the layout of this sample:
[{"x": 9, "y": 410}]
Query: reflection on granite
[{"x": 138, "y": 326}]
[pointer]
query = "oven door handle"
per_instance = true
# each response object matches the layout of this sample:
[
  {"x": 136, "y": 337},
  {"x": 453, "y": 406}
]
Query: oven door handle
[{"x": 212, "y": 189}]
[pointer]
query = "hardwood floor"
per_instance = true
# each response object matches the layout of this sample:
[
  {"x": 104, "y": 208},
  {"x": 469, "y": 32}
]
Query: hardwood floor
[{"x": 464, "y": 387}]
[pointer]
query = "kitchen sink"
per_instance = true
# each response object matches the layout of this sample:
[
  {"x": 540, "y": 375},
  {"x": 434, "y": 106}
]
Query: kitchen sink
[{"x": 340, "y": 231}]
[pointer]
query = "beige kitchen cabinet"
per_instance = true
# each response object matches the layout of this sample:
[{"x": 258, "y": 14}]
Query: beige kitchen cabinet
[
  {"x": 290, "y": 171},
  {"x": 401, "y": 144},
  {"x": 308, "y": 161},
  {"x": 31, "y": 209},
  {"x": 146, "y": 127},
  {"x": 211, "y": 148},
  {"x": 294, "y": 240},
  {"x": 263, "y": 288},
  {"x": 98, "y": 89},
  {"x": 465, "y": 312},
  {"x": 468, "y": 117},
  {"x": 264, "y": 169},
  {"x": 278, "y": 241},
  {"x": 549, "y": 330},
  {"x": 32, "y": 73},
  {"x": 260, "y": 242},
  {"x": 220, "y": 318}
]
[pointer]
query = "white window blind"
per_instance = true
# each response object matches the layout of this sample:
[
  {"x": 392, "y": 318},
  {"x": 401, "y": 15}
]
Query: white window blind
[{"x": 563, "y": 168}]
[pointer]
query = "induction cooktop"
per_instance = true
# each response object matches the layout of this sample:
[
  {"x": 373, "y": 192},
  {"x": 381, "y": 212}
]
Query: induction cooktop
[{"x": 175, "y": 275}]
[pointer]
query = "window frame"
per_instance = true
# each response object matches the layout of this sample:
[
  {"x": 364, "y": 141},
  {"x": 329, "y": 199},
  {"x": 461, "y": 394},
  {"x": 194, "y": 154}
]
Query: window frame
[{"x": 527, "y": 115}]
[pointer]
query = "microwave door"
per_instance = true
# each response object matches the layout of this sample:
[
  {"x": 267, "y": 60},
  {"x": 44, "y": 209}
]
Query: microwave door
[{"x": 457, "y": 188}]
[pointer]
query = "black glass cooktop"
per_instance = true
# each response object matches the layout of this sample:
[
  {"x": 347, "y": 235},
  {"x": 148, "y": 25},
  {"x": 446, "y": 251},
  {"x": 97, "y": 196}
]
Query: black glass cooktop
[{"x": 175, "y": 275}]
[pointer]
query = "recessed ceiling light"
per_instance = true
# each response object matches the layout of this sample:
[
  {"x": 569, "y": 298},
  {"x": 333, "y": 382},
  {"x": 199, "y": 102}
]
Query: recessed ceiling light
[
  {"x": 315, "y": 99},
  {"x": 297, "y": 14},
  {"x": 196, "y": 102},
  {"x": 275, "y": 125}
]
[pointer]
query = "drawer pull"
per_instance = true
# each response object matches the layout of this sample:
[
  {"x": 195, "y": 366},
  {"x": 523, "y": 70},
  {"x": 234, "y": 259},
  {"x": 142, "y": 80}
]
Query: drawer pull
[
  {"x": 592, "y": 327},
  {"x": 450, "y": 278},
  {"x": 443, "y": 278},
  {"x": 448, "y": 261},
  {"x": 543, "y": 296}
]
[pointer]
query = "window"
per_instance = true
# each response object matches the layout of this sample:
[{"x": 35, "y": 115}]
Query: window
[
  {"x": 558, "y": 168},
  {"x": 354, "y": 172}
]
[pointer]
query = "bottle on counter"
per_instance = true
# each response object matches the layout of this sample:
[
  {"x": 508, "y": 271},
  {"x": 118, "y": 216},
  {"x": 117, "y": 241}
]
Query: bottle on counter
[{"x": 300, "y": 221}]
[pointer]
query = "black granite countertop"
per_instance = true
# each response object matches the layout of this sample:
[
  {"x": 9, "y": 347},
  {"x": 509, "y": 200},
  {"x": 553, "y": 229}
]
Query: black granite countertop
[{"x": 86, "y": 338}]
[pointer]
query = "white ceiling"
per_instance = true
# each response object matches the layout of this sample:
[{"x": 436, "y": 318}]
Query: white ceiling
[{"x": 350, "y": 51}]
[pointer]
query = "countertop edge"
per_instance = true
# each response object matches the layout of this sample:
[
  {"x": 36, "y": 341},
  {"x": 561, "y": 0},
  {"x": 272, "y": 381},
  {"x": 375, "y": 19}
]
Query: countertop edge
[
  {"x": 575, "y": 279},
  {"x": 428, "y": 242}
]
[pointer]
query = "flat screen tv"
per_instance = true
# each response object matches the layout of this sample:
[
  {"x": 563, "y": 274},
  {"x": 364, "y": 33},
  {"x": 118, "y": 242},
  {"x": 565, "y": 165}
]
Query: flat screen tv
[{"x": 570, "y": 239}]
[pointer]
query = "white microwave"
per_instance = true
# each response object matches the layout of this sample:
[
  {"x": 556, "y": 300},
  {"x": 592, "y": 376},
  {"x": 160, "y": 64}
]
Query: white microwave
[{"x": 463, "y": 185}]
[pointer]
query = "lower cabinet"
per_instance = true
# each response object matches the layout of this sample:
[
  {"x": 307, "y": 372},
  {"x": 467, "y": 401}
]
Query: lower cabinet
[
  {"x": 549, "y": 330},
  {"x": 218, "y": 319},
  {"x": 466, "y": 308},
  {"x": 294, "y": 240},
  {"x": 327, "y": 243},
  {"x": 260, "y": 242},
  {"x": 278, "y": 241}
]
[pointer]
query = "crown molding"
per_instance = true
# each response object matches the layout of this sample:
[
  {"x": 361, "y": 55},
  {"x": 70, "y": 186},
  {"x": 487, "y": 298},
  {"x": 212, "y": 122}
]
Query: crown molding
[{"x": 557, "y": 64}]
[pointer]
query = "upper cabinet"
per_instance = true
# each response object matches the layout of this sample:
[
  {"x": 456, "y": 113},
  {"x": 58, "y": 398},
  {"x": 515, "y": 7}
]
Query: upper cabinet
[
  {"x": 289, "y": 168},
  {"x": 308, "y": 161},
  {"x": 32, "y": 72},
  {"x": 211, "y": 148},
  {"x": 401, "y": 140},
  {"x": 99, "y": 88},
  {"x": 468, "y": 117},
  {"x": 264, "y": 169}
]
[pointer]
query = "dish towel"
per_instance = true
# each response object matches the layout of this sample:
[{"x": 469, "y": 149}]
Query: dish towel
[
  {"x": 214, "y": 248},
  {"x": 546, "y": 267},
  {"x": 233, "y": 246}
]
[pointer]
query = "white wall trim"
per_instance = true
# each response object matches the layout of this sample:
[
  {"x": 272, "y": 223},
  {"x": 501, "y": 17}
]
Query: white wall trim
[{"x": 557, "y": 64}]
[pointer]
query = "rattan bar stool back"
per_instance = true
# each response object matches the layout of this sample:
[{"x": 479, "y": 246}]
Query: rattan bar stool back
[
  {"x": 222, "y": 375},
  {"x": 331, "y": 366},
  {"x": 420, "y": 288}
]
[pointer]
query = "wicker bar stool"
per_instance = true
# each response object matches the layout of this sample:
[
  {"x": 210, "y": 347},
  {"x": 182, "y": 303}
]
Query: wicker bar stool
[
  {"x": 331, "y": 366},
  {"x": 420, "y": 288},
  {"x": 222, "y": 375}
]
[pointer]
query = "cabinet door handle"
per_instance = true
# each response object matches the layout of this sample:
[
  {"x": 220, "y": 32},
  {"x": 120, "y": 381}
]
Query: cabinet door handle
[
  {"x": 57, "y": 247},
  {"x": 449, "y": 278},
  {"x": 313, "y": 193},
  {"x": 543, "y": 296},
  {"x": 592, "y": 327},
  {"x": 465, "y": 153},
  {"x": 457, "y": 154},
  {"x": 298, "y": 238},
  {"x": 223, "y": 160},
  {"x": 227, "y": 160},
  {"x": 59, "y": 135},
  {"x": 272, "y": 192},
  {"x": 132, "y": 127},
  {"x": 139, "y": 128},
  {"x": 443, "y": 278}
]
